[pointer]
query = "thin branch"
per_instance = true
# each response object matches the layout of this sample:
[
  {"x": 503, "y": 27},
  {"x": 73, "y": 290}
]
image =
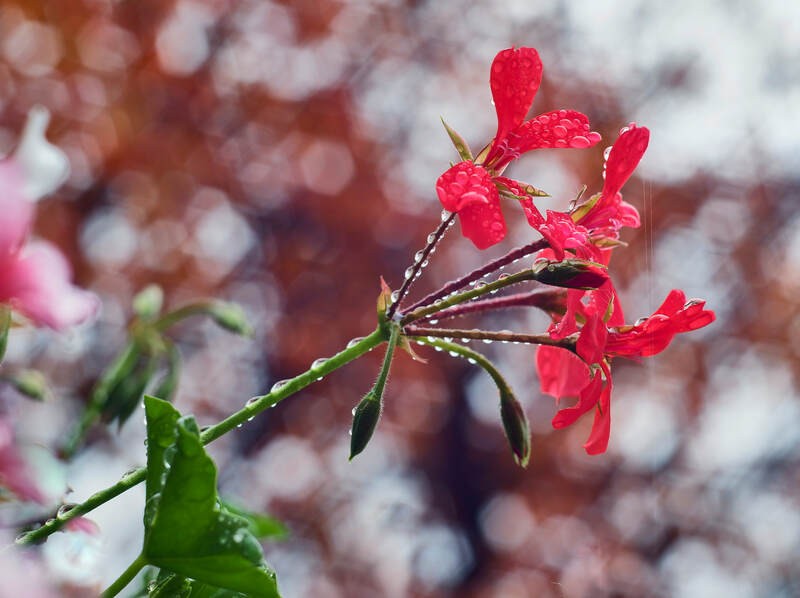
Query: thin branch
[
  {"x": 491, "y": 335},
  {"x": 419, "y": 259},
  {"x": 546, "y": 300},
  {"x": 500, "y": 262}
]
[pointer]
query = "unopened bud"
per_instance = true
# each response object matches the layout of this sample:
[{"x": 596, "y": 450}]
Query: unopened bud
[
  {"x": 572, "y": 274},
  {"x": 30, "y": 383},
  {"x": 230, "y": 316},
  {"x": 365, "y": 419},
  {"x": 515, "y": 424},
  {"x": 147, "y": 302}
]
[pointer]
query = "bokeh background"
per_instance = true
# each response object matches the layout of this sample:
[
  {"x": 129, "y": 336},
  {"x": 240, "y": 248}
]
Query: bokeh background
[{"x": 283, "y": 155}]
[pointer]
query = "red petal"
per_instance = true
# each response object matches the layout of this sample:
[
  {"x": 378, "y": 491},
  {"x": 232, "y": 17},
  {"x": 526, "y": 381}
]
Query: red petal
[
  {"x": 561, "y": 372},
  {"x": 465, "y": 184},
  {"x": 597, "y": 443},
  {"x": 483, "y": 224},
  {"x": 588, "y": 398},
  {"x": 624, "y": 157},
  {"x": 515, "y": 78},
  {"x": 560, "y": 128}
]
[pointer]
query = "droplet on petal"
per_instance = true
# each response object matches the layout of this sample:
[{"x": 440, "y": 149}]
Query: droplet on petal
[{"x": 579, "y": 142}]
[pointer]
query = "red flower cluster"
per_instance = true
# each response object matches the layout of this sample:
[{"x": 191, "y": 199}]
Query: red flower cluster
[
  {"x": 589, "y": 231},
  {"x": 473, "y": 188}
]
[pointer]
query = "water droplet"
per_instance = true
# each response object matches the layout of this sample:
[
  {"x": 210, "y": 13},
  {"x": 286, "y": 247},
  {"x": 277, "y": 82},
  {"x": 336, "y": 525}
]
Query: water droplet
[
  {"x": 472, "y": 361},
  {"x": 353, "y": 410},
  {"x": 453, "y": 353},
  {"x": 278, "y": 385},
  {"x": 606, "y": 153},
  {"x": 409, "y": 272},
  {"x": 480, "y": 285},
  {"x": 431, "y": 339},
  {"x": 431, "y": 237},
  {"x": 445, "y": 215},
  {"x": 251, "y": 418},
  {"x": 420, "y": 343},
  {"x": 433, "y": 322},
  {"x": 466, "y": 340},
  {"x": 424, "y": 264},
  {"x": 438, "y": 349},
  {"x": 318, "y": 362},
  {"x": 64, "y": 509},
  {"x": 251, "y": 401},
  {"x": 420, "y": 253},
  {"x": 487, "y": 341},
  {"x": 395, "y": 296},
  {"x": 238, "y": 425},
  {"x": 503, "y": 276},
  {"x": 354, "y": 341}
]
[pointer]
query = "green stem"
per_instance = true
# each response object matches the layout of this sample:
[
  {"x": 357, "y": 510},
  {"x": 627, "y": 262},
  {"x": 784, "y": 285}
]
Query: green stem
[
  {"x": 380, "y": 383},
  {"x": 252, "y": 408},
  {"x": 126, "y": 577},
  {"x": 468, "y": 354},
  {"x": 467, "y": 295}
]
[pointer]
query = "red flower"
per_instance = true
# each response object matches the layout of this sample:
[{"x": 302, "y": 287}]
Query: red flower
[
  {"x": 472, "y": 189},
  {"x": 587, "y": 375},
  {"x": 605, "y": 214}
]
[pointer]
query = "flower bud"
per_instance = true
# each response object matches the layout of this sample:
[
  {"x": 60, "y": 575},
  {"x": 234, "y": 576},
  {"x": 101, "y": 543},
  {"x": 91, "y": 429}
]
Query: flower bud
[
  {"x": 230, "y": 316},
  {"x": 30, "y": 383},
  {"x": 515, "y": 424},
  {"x": 572, "y": 274},
  {"x": 147, "y": 302},
  {"x": 365, "y": 419}
]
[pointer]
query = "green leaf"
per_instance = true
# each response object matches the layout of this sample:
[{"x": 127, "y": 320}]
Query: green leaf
[
  {"x": 187, "y": 531},
  {"x": 260, "y": 525},
  {"x": 176, "y": 586},
  {"x": 458, "y": 142}
]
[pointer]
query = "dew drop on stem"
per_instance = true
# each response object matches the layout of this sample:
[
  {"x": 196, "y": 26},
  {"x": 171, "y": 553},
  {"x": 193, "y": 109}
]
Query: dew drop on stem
[
  {"x": 354, "y": 341},
  {"x": 278, "y": 385},
  {"x": 318, "y": 362}
]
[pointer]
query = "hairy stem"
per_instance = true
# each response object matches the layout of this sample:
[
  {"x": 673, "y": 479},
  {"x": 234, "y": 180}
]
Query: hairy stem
[
  {"x": 490, "y": 335},
  {"x": 547, "y": 300},
  {"x": 467, "y": 295},
  {"x": 500, "y": 262},
  {"x": 434, "y": 239},
  {"x": 252, "y": 408}
]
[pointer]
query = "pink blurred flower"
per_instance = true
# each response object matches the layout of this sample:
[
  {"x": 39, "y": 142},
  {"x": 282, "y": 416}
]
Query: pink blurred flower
[
  {"x": 34, "y": 275},
  {"x": 14, "y": 473}
]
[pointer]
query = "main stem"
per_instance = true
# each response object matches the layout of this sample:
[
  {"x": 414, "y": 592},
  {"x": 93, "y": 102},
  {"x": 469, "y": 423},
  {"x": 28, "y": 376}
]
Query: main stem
[
  {"x": 252, "y": 408},
  {"x": 126, "y": 577}
]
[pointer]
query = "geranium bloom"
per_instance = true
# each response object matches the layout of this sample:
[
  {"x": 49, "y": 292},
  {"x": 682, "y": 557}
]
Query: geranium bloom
[
  {"x": 587, "y": 375},
  {"x": 473, "y": 188},
  {"x": 591, "y": 225},
  {"x": 34, "y": 276}
]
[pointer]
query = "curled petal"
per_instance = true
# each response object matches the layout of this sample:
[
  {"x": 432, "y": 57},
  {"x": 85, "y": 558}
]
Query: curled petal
[
  {"x": 624, "y": 157},
  {"x": 37, "y": 284},
  {"x": 16, "y": 212},
  {"x": 464, "y": 184},
  {"x": 468, "y": 190},
  {"x": 515, "y": 78},
  {"x": 587, "y": 399},
  {"x": 560, "y": 128}
]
